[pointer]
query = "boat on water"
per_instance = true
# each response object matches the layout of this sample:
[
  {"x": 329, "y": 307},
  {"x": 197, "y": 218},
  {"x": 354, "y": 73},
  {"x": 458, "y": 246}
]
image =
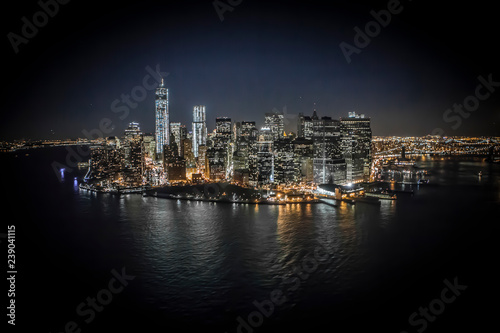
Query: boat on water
[
  {"x": 369, "y": 200},
  {"x": 349, "y": 201},
  {"x": 426, "y": 182},
  {"x": 403, "y": 191},
  {"x": 381, "y": 195},
  {"x": 406, "y": 182}
]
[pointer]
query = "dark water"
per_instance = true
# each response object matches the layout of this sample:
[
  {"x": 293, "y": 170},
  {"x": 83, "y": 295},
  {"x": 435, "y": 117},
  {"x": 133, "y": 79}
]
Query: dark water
[{"x": 200, "y": 266}]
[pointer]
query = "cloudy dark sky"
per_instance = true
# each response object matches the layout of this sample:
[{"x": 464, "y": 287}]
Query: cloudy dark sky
[{"x": 263, "y": 55}]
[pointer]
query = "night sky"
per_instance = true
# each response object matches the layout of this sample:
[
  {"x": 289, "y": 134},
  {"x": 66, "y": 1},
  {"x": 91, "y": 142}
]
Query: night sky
[{"x": 264, "y": 55}]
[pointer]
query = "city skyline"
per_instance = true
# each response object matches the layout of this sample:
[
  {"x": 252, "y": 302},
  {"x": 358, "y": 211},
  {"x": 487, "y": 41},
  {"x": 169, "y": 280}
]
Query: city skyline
[
  {"x": 331, "y": 151},
  {"x": 250, "y": 166},
  {"x": 291, "y": 123},
  {"x": 259, "y": 58}
]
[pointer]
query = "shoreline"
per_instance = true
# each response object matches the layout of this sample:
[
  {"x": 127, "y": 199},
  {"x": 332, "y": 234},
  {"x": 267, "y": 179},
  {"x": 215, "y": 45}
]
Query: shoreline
[
  {"x": 229, "y": 201},
  {"x": 138, "y": 190}
]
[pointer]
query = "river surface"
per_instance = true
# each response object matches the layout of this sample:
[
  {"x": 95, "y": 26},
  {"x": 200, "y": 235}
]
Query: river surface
[{"x": 200, "y": 266}]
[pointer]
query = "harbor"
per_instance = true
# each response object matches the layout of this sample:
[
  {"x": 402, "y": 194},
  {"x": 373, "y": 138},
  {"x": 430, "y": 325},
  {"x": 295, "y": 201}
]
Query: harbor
[
  {"x": 231, "y": 193},
  {"x": 111, "y": 190}
]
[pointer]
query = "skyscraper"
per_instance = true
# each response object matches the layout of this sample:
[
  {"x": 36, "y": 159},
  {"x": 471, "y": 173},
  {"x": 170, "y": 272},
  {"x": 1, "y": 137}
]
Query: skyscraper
[
  {"x": 264, "y": 157},
  {"x": 223, "y": 127},
  {"x": 303, "y": 155},
  {"x": 248, "y": 130},
  {"x": 236, "y": 131},
  {"x": 133, "y": 156},
  {"x": 305, "y": 127},
  {"x": 149, "y": 145},
  {"x": 177, "y": 131},
  {"x": 275, "y": 121},
  {"x": 199, "y": 128},
  {"x": 162, "y": 131},
  {"x": 328, "y": 165},
  {"x": 222, "y": 141},
  {"x": 300, "y": 125},
  {"x": 356, "y": 137},
  {"x": 285, "y": 170}
]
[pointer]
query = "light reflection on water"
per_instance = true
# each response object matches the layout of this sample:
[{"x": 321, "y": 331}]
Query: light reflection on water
[
  {"x": 197, "y": 258},
  {"x": 200, "y": 263}
]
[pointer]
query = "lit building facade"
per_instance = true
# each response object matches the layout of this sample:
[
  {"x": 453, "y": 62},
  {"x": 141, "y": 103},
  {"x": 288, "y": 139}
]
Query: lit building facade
[
  {"x": 133, "y": 157},
  {"x": 275, "y": 122},
  {"x": 116, "y": 163},
  {"x": 202, "y": 161},
  {"x": 222, "y": 142},
  {"x": 241, "y": 153},
  {"x": 187, "y": 153},
  {"x": 223, "y": 128},
  {"x": 175, "y": 129},
  {"x": 236, "y": 131},
  {"x": 131, "y": 136},
  {"x": 356, "y": 138},
  {"x": 248, "y": 130},
  {"x": 216, "y": 157},
  {"x": 199, "y": 128},
  {"x": 148, "y": 146},
  {"x": 106, "y": 165},
  {"x": 304, "y": 127},
  {"x": 328, "y": 165},
  {"x": 162, "y": 126},
  {"x": 285, "y": 172},
  {"x": 303, "y": 158},
  {"x": 175, "y": 166},
  {"x": 264, "y": 157}
]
